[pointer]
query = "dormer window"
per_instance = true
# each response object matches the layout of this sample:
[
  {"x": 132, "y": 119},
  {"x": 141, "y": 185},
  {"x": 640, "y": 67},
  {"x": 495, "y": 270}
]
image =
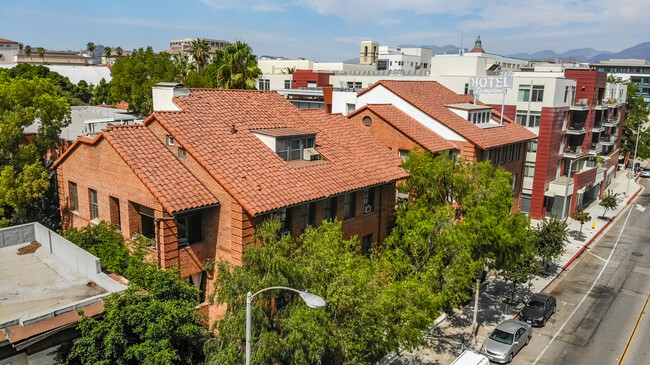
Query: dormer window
[
  {"x": 290, "y": 144},
  {"x": 476, "y": 114}
]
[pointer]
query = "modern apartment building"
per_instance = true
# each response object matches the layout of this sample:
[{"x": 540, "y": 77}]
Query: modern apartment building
[
  {"x": 637, "y": 71},
  {"x": 8, "y": 52},
  {"x": 209, "y": 165},
  {"x": 402, "y": 114}
]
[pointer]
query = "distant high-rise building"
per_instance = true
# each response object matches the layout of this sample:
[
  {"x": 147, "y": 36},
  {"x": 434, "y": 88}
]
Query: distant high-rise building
[{"x": 185, "y": 45}]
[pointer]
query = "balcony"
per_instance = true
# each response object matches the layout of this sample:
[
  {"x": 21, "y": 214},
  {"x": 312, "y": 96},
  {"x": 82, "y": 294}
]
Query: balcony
[
  {"x": 596, "y": 149},
  {"x": 607, "y": 140},
  {"x": 580, "y": 105},
  {"x": 601, "y": 105},
  {"x": 610, "y": 122},
  {"x": 573, "y": 152},
  {"x": 612, "y": 103},
  {"x": 576, "y": 129},
  {"x": 598, "y": 127}
]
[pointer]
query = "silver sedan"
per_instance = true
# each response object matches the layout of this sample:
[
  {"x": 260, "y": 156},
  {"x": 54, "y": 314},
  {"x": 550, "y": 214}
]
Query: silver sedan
[{"x": 506, "y": 340}]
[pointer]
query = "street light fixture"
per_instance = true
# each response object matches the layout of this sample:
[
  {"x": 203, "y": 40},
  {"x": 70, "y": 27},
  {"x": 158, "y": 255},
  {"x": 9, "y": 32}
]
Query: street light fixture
[{"x": 312, "y": 301}]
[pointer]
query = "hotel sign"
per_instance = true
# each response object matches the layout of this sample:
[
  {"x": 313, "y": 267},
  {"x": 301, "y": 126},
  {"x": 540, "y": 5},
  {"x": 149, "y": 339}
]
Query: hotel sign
[{"x": 490, "y": 84}]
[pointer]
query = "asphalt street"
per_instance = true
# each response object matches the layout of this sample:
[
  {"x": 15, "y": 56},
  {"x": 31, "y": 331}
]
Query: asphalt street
[{"x": 600, "y": 299}]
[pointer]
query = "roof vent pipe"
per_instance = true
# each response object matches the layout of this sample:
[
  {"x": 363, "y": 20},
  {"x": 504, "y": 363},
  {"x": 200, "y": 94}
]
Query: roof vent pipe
[{"x": 233, "y": 130}]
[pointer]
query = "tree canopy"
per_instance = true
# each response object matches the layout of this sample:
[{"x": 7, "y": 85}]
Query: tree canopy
[
  {"x": 636, "y": 116},
  {"x": 234, "y": 67},
  {"x": 136, "y": 74},
  {"x": 154, "y": 322},
  {"x": 368, "y": 312},
  {"x": 23, "y": 178},
  {"x": 609, "y": 201},
  {"x": 552, "y": 234}
]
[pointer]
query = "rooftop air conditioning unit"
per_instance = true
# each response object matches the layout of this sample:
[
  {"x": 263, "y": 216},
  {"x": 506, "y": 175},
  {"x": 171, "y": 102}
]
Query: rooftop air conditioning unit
[
  {"x": 310, "y": 154},
  {"x": 367, "y": 208}
]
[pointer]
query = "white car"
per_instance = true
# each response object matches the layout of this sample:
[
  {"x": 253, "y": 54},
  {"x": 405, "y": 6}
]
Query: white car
[{"x": 645, "y": 172}]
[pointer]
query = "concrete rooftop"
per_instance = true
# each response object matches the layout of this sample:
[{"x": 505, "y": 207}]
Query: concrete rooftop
[{"x": 38, "y": 283}]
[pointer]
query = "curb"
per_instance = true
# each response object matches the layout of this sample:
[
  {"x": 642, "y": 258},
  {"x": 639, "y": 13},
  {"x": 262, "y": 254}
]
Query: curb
[{"x": 593, "y": 238}]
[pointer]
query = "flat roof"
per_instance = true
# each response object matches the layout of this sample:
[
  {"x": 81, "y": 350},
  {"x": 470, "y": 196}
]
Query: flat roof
[
  {"x": 468, "y": 106},
  {"x": 36, "y": 283}
]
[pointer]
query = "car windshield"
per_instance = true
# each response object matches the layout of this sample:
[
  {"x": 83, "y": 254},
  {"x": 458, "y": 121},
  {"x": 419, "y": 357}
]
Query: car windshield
[
  {"x": 501, "y": 336},
  {"x": 647, "y": 169},
  {"x": 536, "y": 304}
]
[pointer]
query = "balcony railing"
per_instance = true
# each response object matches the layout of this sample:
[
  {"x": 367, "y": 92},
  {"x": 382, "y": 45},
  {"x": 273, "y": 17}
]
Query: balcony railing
[
  {"x": 596, "y": 149},
  {"x": 607, "y": 140},
  {"x": 573, "y": 151},
  {"x": 576, "y": 128},
  {"x": 580, "y": 104}
]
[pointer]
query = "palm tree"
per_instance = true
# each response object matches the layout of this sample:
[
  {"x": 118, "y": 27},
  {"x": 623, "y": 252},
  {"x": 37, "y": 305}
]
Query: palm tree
[
  {"x": 28, "y": 51},
  {"x": 41, "y": 53},
  {"x": 107, "y": 52},
  {"x": 20, "y": 46},
  {"x": 119, "y": 51},
  {"x": 288, "y": 70},
  {"x": 183, "y": 65},
  {"x": 91, "y": 48},
  {"x": 200, "y": 53},
  {"x": 236, "y": 67}
]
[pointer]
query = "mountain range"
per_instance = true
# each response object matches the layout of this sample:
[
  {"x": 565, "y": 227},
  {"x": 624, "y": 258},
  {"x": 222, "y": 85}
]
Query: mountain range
[{"x": 640, "y": 51}]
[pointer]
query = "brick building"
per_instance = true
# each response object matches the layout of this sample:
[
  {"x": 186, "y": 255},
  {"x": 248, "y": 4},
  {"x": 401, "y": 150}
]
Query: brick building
[
  {"x": 403, "y": 114},
  {"x": 209, "y": 165}
]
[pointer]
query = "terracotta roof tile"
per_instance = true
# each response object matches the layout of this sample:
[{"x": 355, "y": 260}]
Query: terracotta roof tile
[
  {"x": 410, "y": 127},
  {"x": 259, "y": 179},
  {"x": 431, "y": 97},
  {"x": 173, "y": 185}
]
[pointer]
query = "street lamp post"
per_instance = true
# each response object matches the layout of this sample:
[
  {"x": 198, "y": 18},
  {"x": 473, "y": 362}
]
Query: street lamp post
[
  {"x": 312, "y": 301},
  {"x": 566, "y": 187}
]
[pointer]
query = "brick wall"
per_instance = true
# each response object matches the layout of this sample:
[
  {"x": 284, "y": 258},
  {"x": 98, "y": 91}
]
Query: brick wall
[{"x": 384, "y": 132}]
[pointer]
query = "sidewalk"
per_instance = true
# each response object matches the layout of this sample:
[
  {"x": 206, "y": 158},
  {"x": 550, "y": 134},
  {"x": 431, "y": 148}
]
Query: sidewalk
[{"x": 452, "y": 334}]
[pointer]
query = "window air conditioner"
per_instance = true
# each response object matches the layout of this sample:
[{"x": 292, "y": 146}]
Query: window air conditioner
[
  {"x": 310, "y": 154},
  {"x": 367, "y": 208}
]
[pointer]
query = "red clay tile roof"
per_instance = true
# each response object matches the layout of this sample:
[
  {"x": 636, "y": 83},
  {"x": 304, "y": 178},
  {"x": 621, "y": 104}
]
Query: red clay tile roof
[
  {"x": 431, "y": 97},
  {"x": 254, "y": 174},
  {"x": 410, "y": 127},
  {"x": 2, "y": 40},
  {"x": 173, "y": 185}
]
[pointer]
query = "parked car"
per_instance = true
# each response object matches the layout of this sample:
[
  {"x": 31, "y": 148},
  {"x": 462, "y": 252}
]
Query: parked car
[
  {"x": 645, "y": 172},
  {"x": 506, "y": 340},
  {"x": 469, "y": 357},
  {"x": 538, "y": 309}
]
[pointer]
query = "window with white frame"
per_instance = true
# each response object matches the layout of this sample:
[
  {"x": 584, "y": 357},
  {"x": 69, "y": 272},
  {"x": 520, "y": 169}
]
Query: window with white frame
[
  {"x": 287, "y": 84},
  {"x": 529, "y": 119},
  {"x": 534, "y": 95},
  {"x": 532, "y": 146},
  {"x": 529, "y": 169},
  {"x": 94, "y": 206},
  {"x": 290, "y": 149},
  {"x": 170, "y": 140},
  {"x": 264, "y": 84}
]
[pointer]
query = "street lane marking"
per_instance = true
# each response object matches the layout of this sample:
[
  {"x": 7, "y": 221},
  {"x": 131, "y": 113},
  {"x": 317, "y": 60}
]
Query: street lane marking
[
  {"x": 640, "y": 207},
  {"x": 588, "y": 291},
  {"x": 636, "y": 326},
  {"x": 596, "y": 256}
]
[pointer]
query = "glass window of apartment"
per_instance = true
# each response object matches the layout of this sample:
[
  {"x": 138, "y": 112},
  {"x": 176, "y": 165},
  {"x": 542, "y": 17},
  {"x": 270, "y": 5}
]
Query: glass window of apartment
[
  {"x": 538, "y": 93},
  {"x": 529, "y": 169},
  {"x": 287, "y": 84},
  {"x": 530, "y": 120},
  {"x": 524, "y": 93},
  {"x": 264, "y": 84},
  {"x": 532, "y": 146},
  {"x": 94, "y": 207},
  {"x": 308, "y": 213},
  {"x": 74, "y": 198},
  {"x": 366, "y": 245},
  {"x": 182, "y": 153},
  {"x": 349, "y": 108},
  {"x": 503, "y": 154},
  {"x": 330, "y": 208},
  {"x": 403, "y": 154},
  {"x": 349, "y": 205},
  {"x": 517, "y": 150},
  {"x": 189, "y": 228},
  {"x": 284, "y": 217},
  {"x": 358, "y": 85},
  {"x": 514, "y": 181},
  {"x": 369, "y": 200},
  {"x": 511, "y": 152},
  {"x": 170, "y": 140},
  {"x": 566, "y": 94},
  {"x": 290, "y": 149}
]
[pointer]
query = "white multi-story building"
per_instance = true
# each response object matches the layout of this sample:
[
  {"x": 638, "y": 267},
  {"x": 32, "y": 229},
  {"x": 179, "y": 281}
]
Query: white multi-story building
[
  {"x": 404, "y": 59},
  {"x": 8, "y": 52}
]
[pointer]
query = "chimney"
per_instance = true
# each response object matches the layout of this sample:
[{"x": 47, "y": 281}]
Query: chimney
[{"x": 163, "y": 93}]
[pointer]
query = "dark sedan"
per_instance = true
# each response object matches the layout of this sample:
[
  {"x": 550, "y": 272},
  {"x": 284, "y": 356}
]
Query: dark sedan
[{"x": 538, "y": 309}]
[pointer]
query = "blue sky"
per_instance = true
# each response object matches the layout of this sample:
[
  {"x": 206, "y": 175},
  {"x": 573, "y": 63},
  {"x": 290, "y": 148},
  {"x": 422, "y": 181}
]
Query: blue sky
[{"x": 329, "y": 30}]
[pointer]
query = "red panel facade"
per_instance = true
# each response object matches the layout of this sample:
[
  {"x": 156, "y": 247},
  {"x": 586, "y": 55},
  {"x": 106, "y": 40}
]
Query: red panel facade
[{"x": 302, "y": 78}]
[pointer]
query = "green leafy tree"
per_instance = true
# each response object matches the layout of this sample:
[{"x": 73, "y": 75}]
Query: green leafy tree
[
  {"x": 119, "y": 51},
  {"x": 101, "y": 94},
  {"x": 234, "y": 67},
  {"x": 609, "y": 201},
  {"x": 552, "y": 234},
  {"x": 23, "y": 178},
  {"x": 41, "y": 53},
  {"x": 136, "y": 74},
  {"x": 581, "y": 216},
  {"x": 73, "y": 93},
  {"x": 183, "y": 66},
  {"x": 636, "y": 116},
  {"x": 521, "y": 267},
  {"x": 153, "y": 322},
  {"x": 368, "y": 312},
  {"x": 28, "y": 51},
  {"x": 200, "y": 53}
]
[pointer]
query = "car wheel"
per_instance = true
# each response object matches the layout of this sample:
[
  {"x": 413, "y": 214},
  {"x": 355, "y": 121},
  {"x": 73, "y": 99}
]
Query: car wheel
[
  {"x": 510, "y": 357},
  {"x": 553, "y": 311}
]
